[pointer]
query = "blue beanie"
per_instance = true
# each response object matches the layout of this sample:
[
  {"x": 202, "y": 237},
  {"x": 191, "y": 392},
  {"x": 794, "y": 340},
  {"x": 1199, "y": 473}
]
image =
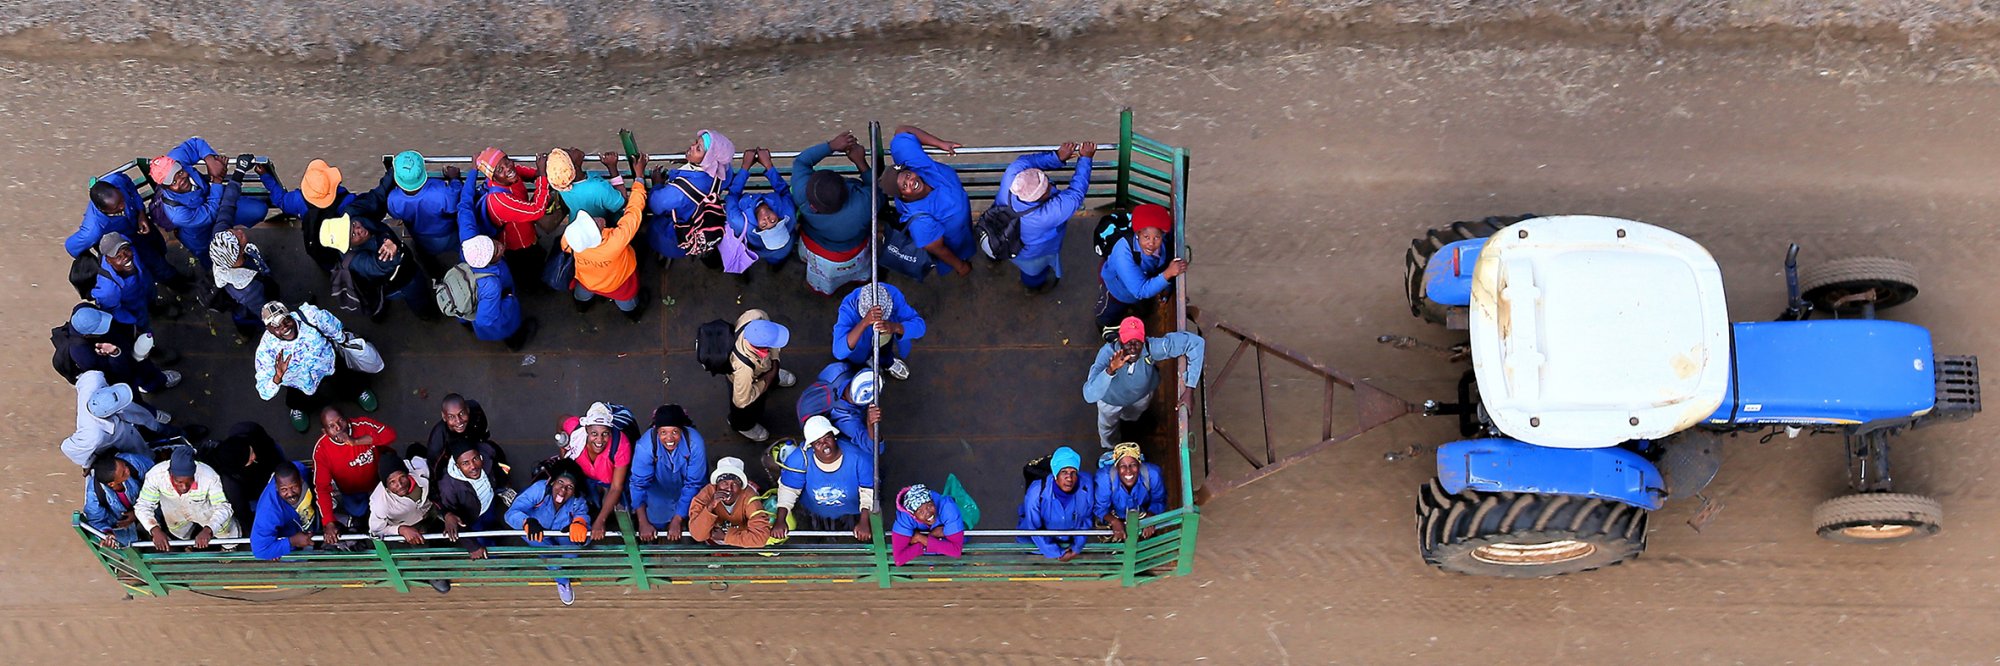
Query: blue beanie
[
  {"x": 182, "y": 463},
  {"x": 1065, "y": 458}
]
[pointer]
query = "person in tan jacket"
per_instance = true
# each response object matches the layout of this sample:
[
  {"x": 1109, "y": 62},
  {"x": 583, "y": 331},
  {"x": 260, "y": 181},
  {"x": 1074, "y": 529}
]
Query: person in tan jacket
[
  {"x": 726, "y": 512},
  {"x": 605, "y": 262},
  {"x": 753, "y": 368}
]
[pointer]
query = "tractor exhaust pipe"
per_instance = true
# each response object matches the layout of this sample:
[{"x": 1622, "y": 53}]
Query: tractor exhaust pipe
[{"x": 1796, "y": 307}]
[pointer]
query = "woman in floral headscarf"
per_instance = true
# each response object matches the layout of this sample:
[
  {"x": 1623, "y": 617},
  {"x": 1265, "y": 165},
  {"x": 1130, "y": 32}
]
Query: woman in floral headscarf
[{"x": 927, "y": 523}]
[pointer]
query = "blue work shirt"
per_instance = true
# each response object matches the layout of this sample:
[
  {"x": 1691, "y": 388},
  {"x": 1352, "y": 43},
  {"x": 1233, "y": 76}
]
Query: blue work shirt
[
  {"x": 832, "y": 494},
  {"x": 1148, "y": 493},
  {"x": 666, "y": 203},
  {"x": 1043, "y": 222},
  {"x": 96, "y": 224},
  {"x": 1046, "y": 507},
  {"x": 293, "y": 202},
  {"x": 945, "y": 213},
  {"x": 537, "y": 503},
  {"x": 429, "y": 212},
  {"x": 277, "y": 520},
  {"x": 743, "y": 214},
  {"x": 101, "y": 506},
  {"x": 838, "y": 231},
  {"x": 665, "y": 482},
  {"x": 1131, "y": 275},
  {"x": 499, "y": 313},
  {"x": 129, "y": 298},
  {"x": 901, "y": 313},
  {"x": 948, "y": 518}
]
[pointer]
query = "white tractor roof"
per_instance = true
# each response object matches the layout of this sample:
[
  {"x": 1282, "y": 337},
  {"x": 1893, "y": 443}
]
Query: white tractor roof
[{"x": 1590, "y": 331}]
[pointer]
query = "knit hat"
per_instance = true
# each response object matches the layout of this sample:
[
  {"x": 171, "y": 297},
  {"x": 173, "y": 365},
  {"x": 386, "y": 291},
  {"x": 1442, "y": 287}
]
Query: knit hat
[
  {"x": 182, "y": 462},
  {"x": 1029, "y": 185},
  {"x": 560, "y": 171},
  {"x": 730, "y": 466},
  {"x": 488, "y": 161},
  {"x": 671, "y": 416},
  {"x": 599, "y": 415},
  {"x": 817, "y": 427},
  {"x": 1064, "y": 458},
  {"x": 1152, "y": 216},
  {"x": 320, "y": 183},
  {"x": 478, "y": 251},
  {"x": 162, "y": 169},
  {"x": 861, "y": 390},
  {"x": 409, "y": 169},
  {"x": 387, "y": 463},
  {"x": 109, "y": 400},
  {"x": 766, "y": 334},
  {"x": 337, "y": 233},
  {"x": 90, "y": 321},
  {"x": 826, "y": 192},
  {"x": 1131, "y": 330},
  {"x": 582, "y": 233},
  {"x": 871, "y": 295},
  {"x": 275, "y": 312},
  {"x": 914, "y": 497},
  {"x": 110, "y": 243}
]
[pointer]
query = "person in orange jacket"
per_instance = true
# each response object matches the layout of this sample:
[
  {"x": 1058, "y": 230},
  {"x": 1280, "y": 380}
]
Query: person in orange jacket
[{"x": 605, "y": 263}]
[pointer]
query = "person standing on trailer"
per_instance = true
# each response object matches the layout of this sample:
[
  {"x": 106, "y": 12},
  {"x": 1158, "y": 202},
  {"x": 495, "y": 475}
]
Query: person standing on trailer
[
  {"x": 727, "y": 512},
  {"x": 472, "y": 493},
  {"x": 190, "y": 199},
  {"x": 753, "y": 369},
  {"x": 110, "y": 491},
  {"x": 1123, "y": 378},
  {"x": 497, "y": 315},
  {"x": 115, "y": 207},
  {"x": 381, "y": 260},
  {"x": 552, "y": 513},
  {"x": 123, "y": 287},
  {"x": 428, "y": 208},
  {"x": 498, "y": 204},
  {"x": 1128, "y": 488},
  {"x": 239, "y": 271},
  {"x": 767, "y": 221},
  {"x": 834, "y": 476},
  {"x": 1044, "y": 211},
  {"x": 606, "y": 265},
  {"x": 680, "y": 193},
  {"x": 931, "y": 199},
  {"x": 287, "y": 515},
  {"x": 344, "y": 467},
  {"x": 1137, "y": 268},
  {"x": 877, "y": 314},
  {"x": 95, "y": 344},
  {"x": 1061, "y": 501},
  {"x": 183, "y": 499},
  {"x": 583, "y": 191},
  {"x": 927, "y": 523},
  {"x": 833, "y": 215},
  {"x": 667, "y": 472},
  {"x": 319, "y": 199},
  {"x": 298, "y": 357}
]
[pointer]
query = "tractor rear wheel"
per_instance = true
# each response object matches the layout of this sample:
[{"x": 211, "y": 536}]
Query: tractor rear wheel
[
  {"x": 1878, "y": 518},
  {"x": 1525, "y": 535},
  {"x": 1421, "y": 250},
  {"x": 1848, "y": 284}
]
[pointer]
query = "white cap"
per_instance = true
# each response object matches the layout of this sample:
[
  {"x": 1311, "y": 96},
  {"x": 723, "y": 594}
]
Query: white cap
[
  {"x": 817, "y": 427},
  {"x": 582, "y": 233},
  {"x": 732, "y": 466}
]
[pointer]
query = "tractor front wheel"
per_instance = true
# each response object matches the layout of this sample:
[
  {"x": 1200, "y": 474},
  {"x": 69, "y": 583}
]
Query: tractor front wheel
[
  {"x": 1525, "y": 535},
  {"x": 1878, "y": 518},
  {"x": 1848, "y": 285}
]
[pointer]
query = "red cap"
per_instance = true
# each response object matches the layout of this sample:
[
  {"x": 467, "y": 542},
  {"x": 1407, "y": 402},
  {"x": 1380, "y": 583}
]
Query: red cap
[
  {"x": 1152, "y": 216},
  {"x": 1131, "y": 330}
]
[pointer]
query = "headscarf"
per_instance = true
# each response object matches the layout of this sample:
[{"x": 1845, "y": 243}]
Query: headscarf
[
  {"x": 1127, "y": 450},
  {"x": 582, "y": 233},
  {"x": 223, "y": 251},
  {"x": 826, "y": 192},
  {"x": 914, "y": 497},
  {"x": 560, "y": 171},
  {"x": 721, "y": 150},
  {"x": 873, "y": 294},
  {"x": 275, "y": 312},
  {"x": 1029, "y": 185},
  {"x": 489, "y": 160},
  {"x": 162, "y": 170},
  {"x": 320, "y": 184},
  {"x": 599, "y": 415},
  {"x": 1065, "y": 458},
  {"x": 409, "y": 169},
  {"x": 478, "y": 251}
]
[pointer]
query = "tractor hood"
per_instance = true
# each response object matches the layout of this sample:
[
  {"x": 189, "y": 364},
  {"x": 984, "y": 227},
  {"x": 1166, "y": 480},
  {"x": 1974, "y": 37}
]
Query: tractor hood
[{"x": 1591, "y": 331}]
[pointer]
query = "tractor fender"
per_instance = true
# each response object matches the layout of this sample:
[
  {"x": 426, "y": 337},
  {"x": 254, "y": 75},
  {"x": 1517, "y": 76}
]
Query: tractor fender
[
  {"x": 1448, "y": 277},
  {"x": 1498, "y": 464}
]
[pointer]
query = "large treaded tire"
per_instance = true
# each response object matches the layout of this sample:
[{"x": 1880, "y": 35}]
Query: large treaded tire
[
  {"x": 1525, "y": 535},
  {"x": 1875, "y": 518},
  {"x": 1824, "y": 283},
  {"x": 1422, "y": 248}
]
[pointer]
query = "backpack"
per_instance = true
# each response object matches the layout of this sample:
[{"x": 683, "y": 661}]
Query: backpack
[
  {"x": 83, "y": 272},
  {"x": 714, "y": 343},
  {"x": 1109, "y": 230},
  {"x": 902, "y": 254},
  {"x": 458, "y": 292},
  {"x": 700, "y": 232},
  {"x": 349, "y": 295},
  {"x": 998, "y": 232},
  {"x": 1036, "y": 470},
  {"x": 64, "y": 338}
]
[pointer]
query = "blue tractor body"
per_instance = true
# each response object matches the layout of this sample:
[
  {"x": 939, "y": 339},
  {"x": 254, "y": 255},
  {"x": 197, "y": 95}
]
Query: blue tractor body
[
  {"x": 1828, "y": 372},
  {"x": 1500, "y": 464}
]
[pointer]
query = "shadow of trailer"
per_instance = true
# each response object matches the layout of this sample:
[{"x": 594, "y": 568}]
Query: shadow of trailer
[{"x": 996, "y": 383}]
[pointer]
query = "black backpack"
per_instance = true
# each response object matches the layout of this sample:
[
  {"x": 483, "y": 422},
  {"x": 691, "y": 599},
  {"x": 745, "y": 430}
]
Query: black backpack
[
  {"x": 351, "y": 294},
  {"x": 1109, "y": 230},
  {"x": 64, "y": 338},
  {"x": 714, "y": 343},
  {"x": 700, "y": 232},
  {"x": 998, "y": 231},
  {"x": 1036, "y": 470},
  {"x": 83, "y": 272}
]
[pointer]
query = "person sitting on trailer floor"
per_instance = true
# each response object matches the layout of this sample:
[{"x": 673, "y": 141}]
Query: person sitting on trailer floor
[
  {"x": 833, "y": 215},
  {"x": 927, "y": 523},
  {"x": 287, "y": 516},
  {"x": 1137, "y": 268},
  {"x": 95, "y": 344},
  {"x": 931, "y": 199},
  {"x": 726, "y": 512},
  {"x": 1122, "y": 379},
  {"x": 1128, "y": 488},
  {"x": 835, "y": 475},
  {"x": 109, "y": 493},
  {"x": 1045, "y": 212},
  {"x": 753, "y": 369},
  {"x": 667, "y": 472},
  {"x": 1060, "y": 501},
  {"x": 183, "y": 499},
  {"x": 877, "y": 314}
]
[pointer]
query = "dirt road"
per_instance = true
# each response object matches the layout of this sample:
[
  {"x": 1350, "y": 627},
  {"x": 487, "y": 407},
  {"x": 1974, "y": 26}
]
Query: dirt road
[{"x": 1315, "y": 165}]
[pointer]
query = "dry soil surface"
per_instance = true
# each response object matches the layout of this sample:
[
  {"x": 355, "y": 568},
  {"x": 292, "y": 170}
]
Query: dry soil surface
[{"x": 1315, "y": 164}]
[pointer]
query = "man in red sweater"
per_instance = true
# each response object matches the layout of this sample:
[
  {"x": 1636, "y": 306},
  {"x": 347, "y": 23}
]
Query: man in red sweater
[{"x": 344, "y": 467}]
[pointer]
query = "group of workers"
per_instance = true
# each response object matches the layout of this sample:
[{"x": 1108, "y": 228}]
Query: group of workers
[{"x": 463, "y": 238}]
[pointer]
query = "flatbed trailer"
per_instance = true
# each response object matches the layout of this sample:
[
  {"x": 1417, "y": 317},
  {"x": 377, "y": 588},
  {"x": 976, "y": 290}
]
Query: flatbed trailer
[{"x": 995, "y": 383}]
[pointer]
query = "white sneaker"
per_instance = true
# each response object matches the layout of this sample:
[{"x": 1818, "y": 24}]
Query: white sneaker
[
  {"x": 755, "y": 434},
  {"x": 899, "y": 370},
  {"x": 786, "y": 379}
]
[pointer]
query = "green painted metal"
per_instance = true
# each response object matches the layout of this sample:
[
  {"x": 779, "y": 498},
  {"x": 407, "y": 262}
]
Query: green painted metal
[{"x": 1124, "y": 155}]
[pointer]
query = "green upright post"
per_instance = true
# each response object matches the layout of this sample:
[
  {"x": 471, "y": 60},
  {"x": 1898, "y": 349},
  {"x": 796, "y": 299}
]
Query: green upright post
[
  {"x": 1129, "y": 562},
  {"x": 631, "y": 536},
  {"x": 1190, "y": 525},
  {"x": 1125, "y": 157},
  {"x": 878, "y": 548},
  {"x": 389, "y": 568}
]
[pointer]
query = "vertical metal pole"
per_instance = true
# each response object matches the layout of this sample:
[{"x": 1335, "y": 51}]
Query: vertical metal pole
[
  {"x": 1128, "y": 562},
  {"x": 876, "y": 546},
  {"x": 389, "y": 568},
  {"x": 1125, "y": 157}
]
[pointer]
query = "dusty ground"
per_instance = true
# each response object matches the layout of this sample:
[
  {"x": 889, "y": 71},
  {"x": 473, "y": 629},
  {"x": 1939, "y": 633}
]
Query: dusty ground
[{"x": 1316, "y": 162}]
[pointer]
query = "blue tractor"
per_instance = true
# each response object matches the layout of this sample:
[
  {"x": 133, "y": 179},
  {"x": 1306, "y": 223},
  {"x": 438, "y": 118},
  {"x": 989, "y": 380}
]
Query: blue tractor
[{"x": 1606, "y": 374}]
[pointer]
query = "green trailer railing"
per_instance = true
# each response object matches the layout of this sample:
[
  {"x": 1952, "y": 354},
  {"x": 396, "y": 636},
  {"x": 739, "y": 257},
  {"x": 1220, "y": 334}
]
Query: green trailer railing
[{"x": 1142, "y": 170}]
